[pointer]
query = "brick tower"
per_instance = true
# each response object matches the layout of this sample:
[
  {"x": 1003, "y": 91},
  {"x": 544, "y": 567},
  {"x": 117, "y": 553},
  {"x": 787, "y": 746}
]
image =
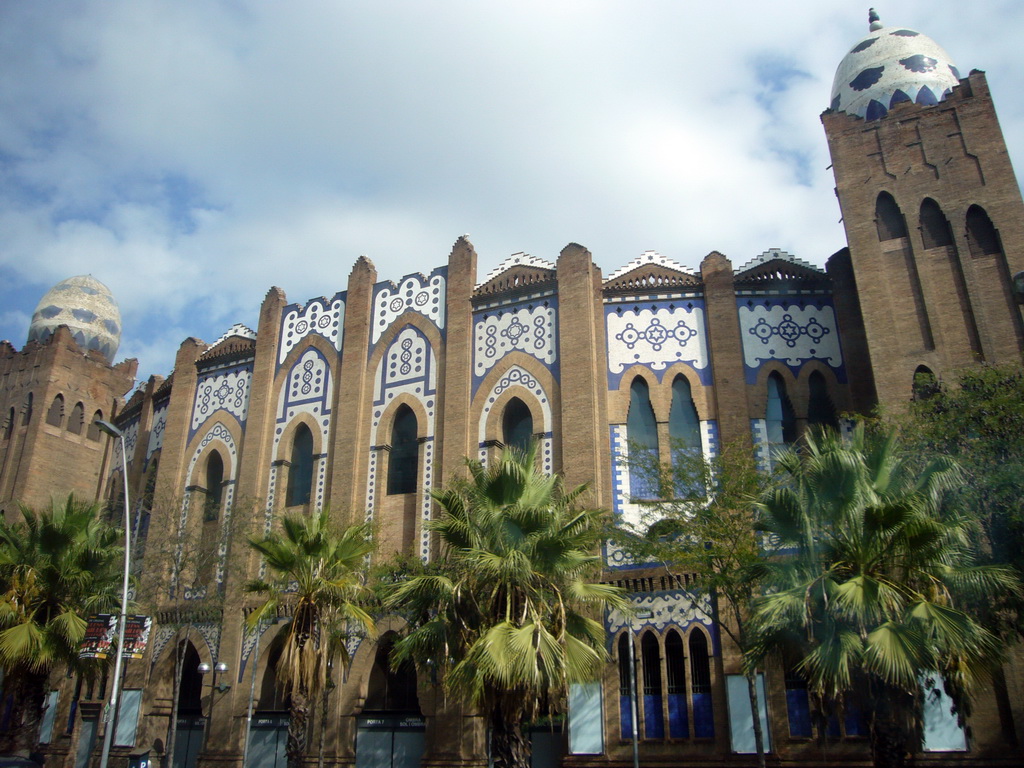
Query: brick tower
[
  {"x": 51, "y": 393},
  {"x": 931, "y": 207}
]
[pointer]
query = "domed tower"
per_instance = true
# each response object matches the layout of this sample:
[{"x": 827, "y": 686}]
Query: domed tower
[
  {"x": 53, "y": 390},
  {"x": 933, "y": 214},
  {"x": 87, "y": 308}
]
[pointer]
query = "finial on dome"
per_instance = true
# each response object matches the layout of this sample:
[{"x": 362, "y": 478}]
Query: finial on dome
[{"x": 873, "y": 22}]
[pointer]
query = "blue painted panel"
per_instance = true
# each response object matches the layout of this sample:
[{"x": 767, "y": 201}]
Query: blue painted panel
[
  {"x": 678, "y": 722},
  {"x": 654, "y": 721},
  {"x": 703, "y": 716},
  {"x": 625, "y": 718}
]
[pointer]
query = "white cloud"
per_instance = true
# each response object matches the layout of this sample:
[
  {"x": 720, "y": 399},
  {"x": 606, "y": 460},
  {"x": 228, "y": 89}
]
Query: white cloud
[{"x": 191, "y": 155}]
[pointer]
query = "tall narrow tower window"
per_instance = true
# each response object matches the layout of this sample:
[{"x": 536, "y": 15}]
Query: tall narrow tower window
[
  {"x": 300, "y": 476},
  {"x": 889, "y": 218},
  {"x": 981, "y": 234},
  {"x": 55, "y": 416},
  {"x": 405, "y": 452},
  {"x": 77, "y": 419},
  {"x": 642, "y": 433},
  {"x": 935, "y": 231}
]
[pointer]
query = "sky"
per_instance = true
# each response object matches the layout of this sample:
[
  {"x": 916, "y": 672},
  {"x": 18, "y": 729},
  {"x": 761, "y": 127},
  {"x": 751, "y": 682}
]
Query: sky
[{"x": 190, "y": 155}]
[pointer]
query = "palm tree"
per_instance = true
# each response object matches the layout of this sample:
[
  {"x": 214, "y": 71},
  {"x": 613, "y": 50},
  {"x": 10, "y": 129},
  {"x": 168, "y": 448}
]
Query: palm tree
[
  {"x": 505, "y": 616},
  {"x": 57, "y": 567},
  {"x": 876, "y": 598},
  {"x": 316, "y": 576}
]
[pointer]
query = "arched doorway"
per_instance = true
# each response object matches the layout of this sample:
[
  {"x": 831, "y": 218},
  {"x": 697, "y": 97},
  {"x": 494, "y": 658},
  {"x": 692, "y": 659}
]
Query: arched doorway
[
  {"x": 268, "y": 734},
  {"x": 390, "y": 730},
  {"x": 188, "y": 738}
]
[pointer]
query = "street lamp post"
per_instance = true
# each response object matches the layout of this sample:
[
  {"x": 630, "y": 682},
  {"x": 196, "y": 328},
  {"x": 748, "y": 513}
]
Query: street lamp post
[
  {"x": 633, "y": 688},
  {"x": 108, "y": 733},
  {"x": 219, "y": 668}
]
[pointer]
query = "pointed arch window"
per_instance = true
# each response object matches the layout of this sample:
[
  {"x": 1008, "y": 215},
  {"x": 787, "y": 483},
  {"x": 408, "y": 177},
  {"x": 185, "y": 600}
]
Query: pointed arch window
[
  {"x": 9, "y": 426},
  {"x": 642, "y": 433},
  {"x": 214, "y": 486},
  {"x": 405, "y": 452},
  {"x": 888, "y": 218},
  {"x": 683, "y": 422},
  {"x": 26, "y": 415},
  {"x": 779, "y": 417},
  {"x": 300, "y": 474},
  {"x": 981, "y": 233},
  {"x": 650, "y": 652},
  {"x": 77, "y": 419},
  {"x": 675, "y": 672},
  {"x": 820, "y": 409},
  {"x": 55, "y": 415},
  {"x": 700, "y": 675},
  {"x": 935, "y": 230},
  {"x": 517, "y": 425}
]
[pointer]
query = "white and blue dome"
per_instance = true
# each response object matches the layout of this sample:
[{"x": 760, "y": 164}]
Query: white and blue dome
[
  {"x": 87, "y": 308},
  {"x": 891, "y": 65}
]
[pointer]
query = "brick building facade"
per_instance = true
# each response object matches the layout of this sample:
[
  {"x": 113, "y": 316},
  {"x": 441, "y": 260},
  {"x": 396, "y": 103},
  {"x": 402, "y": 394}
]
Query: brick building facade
[{"x": 368, "y": 398}]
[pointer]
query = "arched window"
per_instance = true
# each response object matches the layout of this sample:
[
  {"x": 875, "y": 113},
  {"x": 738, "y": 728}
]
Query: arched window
[
  {"x": 925, "y": 384},
  {"x": 93, "y": 431},
  {"x": 935, "y": 231},
  {"x": 684, "y": 432},
  {"x": 517, "y": 425},
  {"x": 700, "y": 675},
  {"x": 405, "y": 452},
  {"x": 300, "y": 475},
  {"x": 683, "y": 422},
  {"x": 675, "y": 669},
  {"x": 981, "y": 234},
  {"x": 654, "y": 721},
  {"x": 779, "y": 416},
  {"x": 625, "y": 683},
  {"x": 55, "y": 416},
  {"x": 390, "y": 689},
  {"x": 820, "y": 409},
  {"x": 9, "y": 426},
  {"x": 214, "y": 486},
  {"x": 888, "y": 218},
  {"x": 77, "y": 419},
  {"x": 642, "y": 433},
  {"x": 26, "y": 415}
]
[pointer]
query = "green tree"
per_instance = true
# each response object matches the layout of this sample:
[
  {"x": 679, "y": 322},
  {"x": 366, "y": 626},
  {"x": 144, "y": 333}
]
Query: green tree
[
  {"x": 877, "y": 597},
  {"x": 978, "y": 419},
  {"x": 702, "y": 525},
  {"x": 506, "y": 614},
  {"x": 315, "y": 576},
  {"x": 57, "y": 567}
]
